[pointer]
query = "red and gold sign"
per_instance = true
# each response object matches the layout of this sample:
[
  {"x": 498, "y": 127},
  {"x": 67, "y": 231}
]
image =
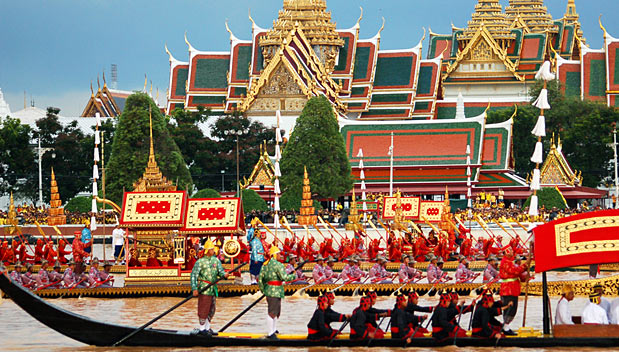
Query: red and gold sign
[
  {"x": 213, "y": 215},
  {"x": 431, "y": 210},
  {"x": 583, "y": 239},
  {"x": 153, "y": 209},
  {"x": 410, "y": 207}
]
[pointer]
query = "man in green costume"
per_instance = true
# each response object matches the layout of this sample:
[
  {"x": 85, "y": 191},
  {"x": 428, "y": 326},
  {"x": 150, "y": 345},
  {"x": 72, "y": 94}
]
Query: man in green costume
[
  {"x": 207, "y": 269},
  {"x": 271, "y": 283}
]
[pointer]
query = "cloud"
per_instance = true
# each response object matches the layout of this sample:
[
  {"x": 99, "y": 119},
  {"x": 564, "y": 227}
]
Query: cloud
[{"x": 70, "y": 103}]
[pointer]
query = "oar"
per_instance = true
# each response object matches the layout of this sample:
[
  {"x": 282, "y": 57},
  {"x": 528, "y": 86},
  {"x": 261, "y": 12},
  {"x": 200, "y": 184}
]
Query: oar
[
  {"x": 301, "y": 291},
  {"x": 420, "y": 324},
  {"x": 238, "y": 316},
  {"x": 356, "y": 291},
  {"x": 339, "y": 331},
  {"x": 172, "y": 308},
  {"x": 378, "y": 327},
  {"x": 269, "y": 230},
  {"x": 526, "y": 292},
  {"x": 458, "y": 323},
  {"x": 508, "y": 234}
]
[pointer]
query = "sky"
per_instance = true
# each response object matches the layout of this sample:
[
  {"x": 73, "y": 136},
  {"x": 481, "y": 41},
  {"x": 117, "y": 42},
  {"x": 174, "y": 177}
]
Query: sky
[{"x": 53, "y": 50}]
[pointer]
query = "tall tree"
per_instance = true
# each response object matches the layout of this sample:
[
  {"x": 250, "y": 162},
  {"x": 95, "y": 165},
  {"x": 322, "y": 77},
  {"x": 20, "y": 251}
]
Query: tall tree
[
  {"x": 18, "y": 166},
  {"x": 131, "y": 145},
  {"x": 316, "y": 143},
  {"x": 248, "y": 144}
]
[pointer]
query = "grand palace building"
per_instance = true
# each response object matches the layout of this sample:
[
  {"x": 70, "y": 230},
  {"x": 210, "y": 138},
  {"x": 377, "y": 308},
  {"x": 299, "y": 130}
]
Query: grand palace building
[{"x": 435, "y": 105}]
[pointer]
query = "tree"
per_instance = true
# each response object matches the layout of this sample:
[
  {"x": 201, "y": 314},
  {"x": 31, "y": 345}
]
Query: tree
[
  {"x": 585, "y": 128},
  {"x": 253, "y": 201},
  {"x": 317, "y": 144},
  {"x": 548, "y": 197},
  {"x": 291, "y": 200},
  {"x": 18, "y": 167},
  {"x": 71, "y": 155},
  {"x": 206, "y": 193},
  {"x": 249, "y": 146},
  {"x": 131, "y": 146}
]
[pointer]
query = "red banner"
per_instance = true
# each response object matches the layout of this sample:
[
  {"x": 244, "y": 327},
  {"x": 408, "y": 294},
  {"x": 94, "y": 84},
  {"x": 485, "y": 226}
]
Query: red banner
[{"x": 583, "y": 239}]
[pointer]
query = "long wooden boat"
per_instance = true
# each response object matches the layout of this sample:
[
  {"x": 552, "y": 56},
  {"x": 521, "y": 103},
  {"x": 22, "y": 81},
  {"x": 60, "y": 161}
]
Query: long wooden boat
[{"x": 92, "y": 332}]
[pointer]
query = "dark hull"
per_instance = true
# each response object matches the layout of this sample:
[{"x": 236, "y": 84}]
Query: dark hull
[{"x": 97, "y": 333}]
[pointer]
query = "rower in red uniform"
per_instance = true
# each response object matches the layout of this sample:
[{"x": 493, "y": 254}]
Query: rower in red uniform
[
  {"x": 317, "y": 328},
  {"x": 8, "y": 255},
  {"x": 403, "y": 322},
  {"x": 421, "y": 249},
  {"x": 62, "y": 252},
  {"x": 24, "y": 257},
  {"x": 50, "y": 253},
  {"x": 510, "y": 287},
  {"x": 38, "y": 252}
]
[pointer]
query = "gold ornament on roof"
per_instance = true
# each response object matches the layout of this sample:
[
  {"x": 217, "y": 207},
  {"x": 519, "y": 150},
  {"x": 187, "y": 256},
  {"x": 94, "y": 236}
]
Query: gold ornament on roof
[
  {"x": 152, "y": 180},
  {"x": 533, "y": 14},
  {"x": 489, "y": 14}
]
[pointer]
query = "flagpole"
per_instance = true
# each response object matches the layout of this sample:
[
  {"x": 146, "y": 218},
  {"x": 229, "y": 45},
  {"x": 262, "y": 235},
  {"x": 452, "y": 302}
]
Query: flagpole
[{"x": 391, "y": 167}]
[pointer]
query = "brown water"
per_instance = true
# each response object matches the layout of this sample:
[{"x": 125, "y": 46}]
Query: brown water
[{"x": 20, "y": 332}]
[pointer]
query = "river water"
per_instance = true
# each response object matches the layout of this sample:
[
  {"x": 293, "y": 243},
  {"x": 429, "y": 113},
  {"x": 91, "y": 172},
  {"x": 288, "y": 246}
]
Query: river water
[{"x": 20, "y": 332}]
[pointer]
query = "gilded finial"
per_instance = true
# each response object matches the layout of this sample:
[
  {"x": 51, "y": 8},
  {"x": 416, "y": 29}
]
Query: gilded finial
[
  {"x": 169, "y": 53},
  {"x": 515, "y": 111},
  {"x": 382, "y": 27},
  {"x": 151, "y": 152},
  {"x": 187, "y": 42},
  {"x": 488, "y": 107},
  {"x": 104, "y": 82},
  {"x": 424, "y": 36},
  {"x": 145, "y": 83},
  {"x": 98, "y": 84},
  {"x": 250, "y": 18},
  {"x": 92, "y": 93},
  {"x": 360, "y": 16},
  {"x": 602, "y": 26}
]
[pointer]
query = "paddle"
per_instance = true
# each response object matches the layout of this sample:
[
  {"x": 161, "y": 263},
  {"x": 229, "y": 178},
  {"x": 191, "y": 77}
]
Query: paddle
[
  {"x": 172, "y": 308},
  {"x": 356, "y": 291},
  {"x": 458, "y": 323},
  {"x": 378, "y": 327},
  {"x": 339, "y": 331},
  {"x": 300, "y": 292},
  {"x": 238, "y": 316},
  {"x": 420, "y": 324}
]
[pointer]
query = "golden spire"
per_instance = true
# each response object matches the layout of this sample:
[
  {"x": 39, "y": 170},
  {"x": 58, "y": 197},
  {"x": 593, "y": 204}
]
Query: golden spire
[
  {"x": 533, "y": 13},
  {"x": 152, "y": 179},
  {"x": 56, "y": 213},
  {"x": 12, "y": 214},
  {"x": 488, "y": 14},
  {"x": 306, "y": 216}
]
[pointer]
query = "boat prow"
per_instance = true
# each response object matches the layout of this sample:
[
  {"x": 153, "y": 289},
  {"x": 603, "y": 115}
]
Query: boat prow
[{"x": 92, "y": 332}]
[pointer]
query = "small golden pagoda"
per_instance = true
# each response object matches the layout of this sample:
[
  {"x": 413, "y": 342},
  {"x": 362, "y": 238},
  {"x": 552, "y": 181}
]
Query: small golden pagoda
[
  {"x": 152, "y": 180},
  {"x": 571, "y": 17},
  {"x": 354, "y": 217},
  {"x": 556, "y": 171},
  {"x": 315, "y": 22},
  {"x": 446, "y": 223},
  {"x": 533, "y": 14},
  {"x": 11, "y": 219},
  {"x": 263, "y": 173},
  {"x": 56, "y": 213},
  {"x": 306, "y": 216}
]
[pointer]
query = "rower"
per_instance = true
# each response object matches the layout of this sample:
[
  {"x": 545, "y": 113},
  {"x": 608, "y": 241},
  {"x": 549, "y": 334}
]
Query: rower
[
  {"x": 564, "y": 316},
  {"x": 300, "y": 278},
  {"x": 318, "y": 328},
  {"x": 330, "y": 276},
  {"x": 484, "y": 324},
  {"x": 15, "y": 275},
  {"x": 593, "y": 313},
  {"x": 93, "y": 273},
  {"x": 442, "y": 328},
  {"x": 318, "y": 274},
  {"x": 43, "y": 276},
  {"x": 403, "y": 272},
  {"x": 271, "y": 283},
  {"x": 105, "y": 279},
  {"x": 331, "y": 315},
  {"x": 432, "y": 270},
  {"x": 207, "y": 270},
  {"x": 463, "y": 273},
  {"x": 456, "y": 309},
  {"x": 372, "y": 315},
  {"x": 510, "y": 287},
  {"x": 413, "y": 306},
  {"x": 358, "y": 328},
  {"x": 55, "y": 276},
  {"x": 68, "y": 277},
  {"x": 491, "y": 273},
  {"x": 403, "y": 322},
  {"x": 379, "y": 273},
  {"x": 27, "y": 278}
]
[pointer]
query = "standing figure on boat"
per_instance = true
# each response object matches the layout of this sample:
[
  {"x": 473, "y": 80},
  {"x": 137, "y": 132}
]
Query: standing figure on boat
[
  {"x": 510, "y": 287},
  {"x": 563, "y": 315},
  {"x": 254, "y": 238},
  {"x": 87, "y": 237},
  {"x": 271, "y": 283},
  {"x": 206, "y": 271},
  {"x": 78, "y": 247},
  {"x": 604, "y": 302},
  {"x": 593, "y": 313},
  {"x": 118, "y": 241}
]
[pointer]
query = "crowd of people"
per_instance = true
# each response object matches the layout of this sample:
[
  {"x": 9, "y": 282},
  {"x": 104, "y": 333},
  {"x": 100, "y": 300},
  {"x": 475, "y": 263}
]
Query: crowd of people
[{"x": 29, "y": 215}]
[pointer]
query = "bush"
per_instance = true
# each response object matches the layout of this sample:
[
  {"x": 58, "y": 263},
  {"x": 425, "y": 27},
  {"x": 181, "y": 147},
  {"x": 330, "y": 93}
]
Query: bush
[
  {"x": 206, "y": 193},
  {"x": 253, "y": 201},
  {"x": 81, "y": 204},
  {"x": 548, "y": 198}
]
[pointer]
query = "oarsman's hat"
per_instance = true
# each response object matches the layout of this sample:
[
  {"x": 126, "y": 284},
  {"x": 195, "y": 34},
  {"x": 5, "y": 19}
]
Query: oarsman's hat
[
  {"x": 292, "y": 256},
  {"x": 431, "y": 257},
  {"x": 107, "y": 263},
  {"x": 381, "y": 259},
  {"x": 404, "y": 256},
  {"x": 273, "y": 250},
  {"x": 319, "y": 258},
  {"x": 352, "y": 259},
  {"x": 330, "y": 259},
  {"x": 95, "y": 261},
  {"x": 440, "y": 260},
  {"x": 492, "y": 257},
  {"x": 44, "y": 262},
  {"x": 18, "y": 265},
  {"x": 595, "y": 297},
  {"x": 57, "y": 265},
  {"x": 461, "y": 258},
  {"x": 567, "y": 289}
]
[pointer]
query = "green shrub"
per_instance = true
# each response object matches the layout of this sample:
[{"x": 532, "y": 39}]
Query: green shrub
[
  {"x": 548, "y": 198},
  {"x": 206, "y": 193},
  {"x": 253, "y": 201}
]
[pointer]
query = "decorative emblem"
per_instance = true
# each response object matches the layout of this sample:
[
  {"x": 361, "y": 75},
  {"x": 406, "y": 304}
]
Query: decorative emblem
[
  {"x": 179, "y": 250},
  {"x": 231, "y": 248}
]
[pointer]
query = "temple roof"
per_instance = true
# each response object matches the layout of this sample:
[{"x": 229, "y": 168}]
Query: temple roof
[
  {"x": 312, "y": 18},
  {"x": 263, "y": 172},
  {"x": 5, "y": 110},
  {"x": 488, "y": 13},
  {"x": 107, "y": 102},
  {"x": 556, "y": 171},
  {"x": 533, "y": 13}
]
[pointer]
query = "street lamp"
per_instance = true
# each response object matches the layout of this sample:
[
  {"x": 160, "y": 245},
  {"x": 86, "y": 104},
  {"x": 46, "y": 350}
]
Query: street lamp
[
  {"x": 42, "y": 151},
  {"x": 222, "y": 179},
  {"x": 237, "y": 133}
]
